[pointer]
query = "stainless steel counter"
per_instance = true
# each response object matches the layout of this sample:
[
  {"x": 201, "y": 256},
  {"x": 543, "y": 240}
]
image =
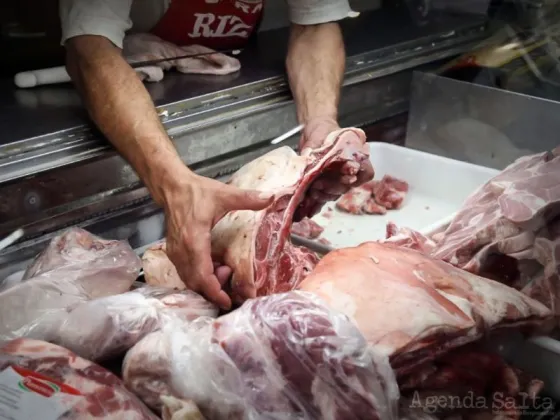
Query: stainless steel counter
[{"x": 28, "y": 113}]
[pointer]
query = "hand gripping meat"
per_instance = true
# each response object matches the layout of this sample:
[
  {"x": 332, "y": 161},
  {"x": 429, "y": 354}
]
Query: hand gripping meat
[{"x": 256, "y": 245}]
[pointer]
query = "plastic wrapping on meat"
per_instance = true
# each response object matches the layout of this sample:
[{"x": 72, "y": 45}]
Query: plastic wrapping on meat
[
  {"x": 77, "y": 388},
  {"x": 255, "y": 244},
  {"x": 74, "y": 268},
  {"x": 424, "y": 306},
  {"x": 276, "y": 357},
  {"x": 77, "y": 252},
  {"x": 107, "y": 327}
]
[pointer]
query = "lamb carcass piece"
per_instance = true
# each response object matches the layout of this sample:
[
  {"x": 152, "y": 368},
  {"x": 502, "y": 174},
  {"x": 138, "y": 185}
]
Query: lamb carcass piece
[
  {"x": 256, "y": 244},
  {"x": 103, "y": 328},
  {"x": 78, "y": 389},
  {"x": 509, "y": 229},
  {"x": 280, "y": 356},
  {"x": 423, "y": 306},
  {"x": 74, "y": 268}
]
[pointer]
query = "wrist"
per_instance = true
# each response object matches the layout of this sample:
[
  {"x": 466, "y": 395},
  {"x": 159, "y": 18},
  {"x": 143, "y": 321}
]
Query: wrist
[{"x": 168, "y": 180}]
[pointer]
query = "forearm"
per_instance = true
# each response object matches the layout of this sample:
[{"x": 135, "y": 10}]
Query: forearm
[
  {"x": 315, "y": 66},
  {"x": 121, "y": 107}
]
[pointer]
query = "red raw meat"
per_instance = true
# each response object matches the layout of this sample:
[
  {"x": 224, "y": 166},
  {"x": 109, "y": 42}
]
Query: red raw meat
[
  {"x": 307, "y": 228},
  {"x": 103, "y": 328},
  {"x": 280, "y": 356},
  {"x": 424, "y": 306},
  {"x": 74, "y": 268},
  {"x": 359, "y": 200},
  {"x": 390, "y": 192},
  {"x": 374, "y": 197},
  {"x": 256, "y": 244},
  {"x": 85, "y": 390}
]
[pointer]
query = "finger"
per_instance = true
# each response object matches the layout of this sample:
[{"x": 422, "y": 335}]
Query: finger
[
  {"x": 348, "y": 179},
  {"x": 240, "y": 199},
  {"x": 350, "y": 168},
  {"x": 223, "y": 273},
  {"x": 322, "y": 196},
  {"x": 330, "y": 186},
  {"x": 201, "y": 265},
  {"x": 212, "y": 289},
  {"x": 366, "y": 174}
]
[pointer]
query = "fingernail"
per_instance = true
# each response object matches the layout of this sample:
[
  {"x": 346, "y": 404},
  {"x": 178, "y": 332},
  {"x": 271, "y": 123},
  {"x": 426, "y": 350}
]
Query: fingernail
[{"x": 265, "y": 195}]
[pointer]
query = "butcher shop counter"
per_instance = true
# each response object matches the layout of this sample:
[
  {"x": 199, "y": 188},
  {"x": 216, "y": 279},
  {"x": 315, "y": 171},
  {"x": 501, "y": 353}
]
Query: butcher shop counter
[{"x": 57, "y": 171}]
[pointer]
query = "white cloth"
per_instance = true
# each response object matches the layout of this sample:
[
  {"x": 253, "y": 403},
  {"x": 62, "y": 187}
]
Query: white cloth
[
  {"x": 113, "y": 18},
  {"x": 143, "y": 47}
]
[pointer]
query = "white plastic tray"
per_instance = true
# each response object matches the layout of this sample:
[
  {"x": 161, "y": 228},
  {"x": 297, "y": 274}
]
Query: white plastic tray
[{"x": 438, "y": 188}]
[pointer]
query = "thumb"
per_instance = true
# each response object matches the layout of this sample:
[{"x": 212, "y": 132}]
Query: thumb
[{"x": 240, "y": 199}]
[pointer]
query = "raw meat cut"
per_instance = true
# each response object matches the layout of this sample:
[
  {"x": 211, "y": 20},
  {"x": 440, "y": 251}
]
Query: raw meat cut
[
  {"x": 307, "y": 228},
  {"x": 78, "y": 389},
  {"x": 509, "y": 229},
  {"x": 408, "y": 238},
  {"x": 360, "y": 200},
  {"x": 390, "y": 192},
  {"x": 511, "y": 226},
  {"x": 256, "y": 244},
  {"x": 374, "y": 197},
  {"x": 75, "y": 267},
  {"x": 279, "y": 356},
  {"x": 159, "y": 270},
  {"x": 423, "y": 306},
  {"x": 103, "y": 328}
]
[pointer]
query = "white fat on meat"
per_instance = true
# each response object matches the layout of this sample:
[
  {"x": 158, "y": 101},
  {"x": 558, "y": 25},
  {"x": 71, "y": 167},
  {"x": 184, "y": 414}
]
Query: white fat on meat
[{"x": 413, "y": 307}]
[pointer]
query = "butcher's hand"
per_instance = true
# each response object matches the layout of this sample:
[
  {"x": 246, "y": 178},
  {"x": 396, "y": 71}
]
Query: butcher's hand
[
  {"x": 193, "y": 205},
  {"x": 336, "y": 181},
  {"x": 144, "y": 47}
]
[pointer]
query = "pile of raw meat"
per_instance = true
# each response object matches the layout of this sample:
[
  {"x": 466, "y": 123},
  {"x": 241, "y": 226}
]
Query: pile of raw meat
[
  {"x": 374, "y": 197},
  {"x": 370, "y": 332}
]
